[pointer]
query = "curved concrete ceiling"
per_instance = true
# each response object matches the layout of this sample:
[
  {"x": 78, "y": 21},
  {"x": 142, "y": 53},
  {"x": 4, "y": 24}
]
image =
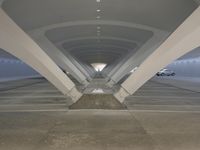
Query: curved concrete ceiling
[
  {"x": 32, "y": 14},
  {"x": 77, "y": 49},
  {"x": 94, "y": 39},
  {"x": 118, "y": 30},
  {"x": 66, "y": 33},
  {"x": 59, "y": 34},
  {"x": 109, "y": 44}
]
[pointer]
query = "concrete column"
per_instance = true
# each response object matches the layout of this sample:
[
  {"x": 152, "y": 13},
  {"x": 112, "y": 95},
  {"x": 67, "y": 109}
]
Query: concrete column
[
  {"x": 107, "y": 71},
  {"x": 15, "y": 41},
  {"x": 77, "y": 64},
  {"x": 184, "y": 39},
  {"x": 129, "y": 63},
  {"x": 59, "y": 58}
]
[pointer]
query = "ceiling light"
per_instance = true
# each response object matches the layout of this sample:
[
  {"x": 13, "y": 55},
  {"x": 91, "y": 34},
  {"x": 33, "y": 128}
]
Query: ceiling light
[
  {"x": 98, "y": 1},
  {"x": 98, "y": 17},
  {"x": 98, "y": 27},
  {"x": 98, "y": 10}
]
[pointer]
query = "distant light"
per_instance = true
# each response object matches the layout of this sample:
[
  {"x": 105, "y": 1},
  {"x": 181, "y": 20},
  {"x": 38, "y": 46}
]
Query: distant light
[
  {"x": 98, "y": 66},
  {"x": 98, "y": 27},
  {"x": 98, "y": 1},
  {"x": 98, "y": 91},
  {"x": 98, "y": 10},
  {"x": 134, "y": 69},
  {"x": 98, "y": 31},
  {"x": 98, "y": 17}
]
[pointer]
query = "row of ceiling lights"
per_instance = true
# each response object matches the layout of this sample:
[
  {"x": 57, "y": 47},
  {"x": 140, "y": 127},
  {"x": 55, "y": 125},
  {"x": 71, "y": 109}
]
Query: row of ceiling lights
[{"x": 98, "y": 17}]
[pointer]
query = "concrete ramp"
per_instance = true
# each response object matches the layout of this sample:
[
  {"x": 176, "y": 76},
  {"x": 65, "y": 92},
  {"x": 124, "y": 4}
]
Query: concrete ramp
[{"x": 98, "y": 101}]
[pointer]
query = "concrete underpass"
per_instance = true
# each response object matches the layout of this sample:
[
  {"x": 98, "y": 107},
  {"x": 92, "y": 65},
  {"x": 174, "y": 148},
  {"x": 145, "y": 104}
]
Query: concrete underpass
[{"x": 99, "y": 75}]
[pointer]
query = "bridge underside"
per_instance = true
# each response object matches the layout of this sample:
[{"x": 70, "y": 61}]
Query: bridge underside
[{"x": 99, "y": 74}]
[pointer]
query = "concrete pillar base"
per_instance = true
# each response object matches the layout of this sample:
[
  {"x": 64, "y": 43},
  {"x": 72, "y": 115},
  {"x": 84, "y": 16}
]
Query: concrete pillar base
[
  {"x": 89, "y": 79},
  {"x": 74, "y": 94},
  {"x": 107, "y": 79},
  {"x": 85, "y": 83},
  {"x": 98, "y": 101},
  {"x": 110, "y": 83},
  {"x": 121, "y": 95}
]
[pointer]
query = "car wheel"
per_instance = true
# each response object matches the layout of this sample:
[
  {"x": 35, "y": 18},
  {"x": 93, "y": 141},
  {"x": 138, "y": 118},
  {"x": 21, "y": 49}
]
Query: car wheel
[{"x": 162, "y": 74}]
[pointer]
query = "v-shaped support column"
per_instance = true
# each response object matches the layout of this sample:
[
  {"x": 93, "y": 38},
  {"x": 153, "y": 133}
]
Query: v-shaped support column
[
  {"x": 184, "y": 39},
  {"x": 15, "y": 41}
]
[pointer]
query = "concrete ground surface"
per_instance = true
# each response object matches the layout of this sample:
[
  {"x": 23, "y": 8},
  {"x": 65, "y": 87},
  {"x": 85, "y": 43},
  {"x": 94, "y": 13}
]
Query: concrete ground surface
[
  {"x": 31, "y": 95},
  {"x": 159, "y": 117},
  {"x": 156, "y": 96},
  {"x": 192, "y": 84}
]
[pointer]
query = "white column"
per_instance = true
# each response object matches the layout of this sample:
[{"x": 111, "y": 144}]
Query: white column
[
  {"x": 59, "y": 57},
  {"x": 77, "y": 64},
  {"x": 15, "y": 41},
  {"x": 129, "y": 63},
  {"x": 184, "y": 39}
]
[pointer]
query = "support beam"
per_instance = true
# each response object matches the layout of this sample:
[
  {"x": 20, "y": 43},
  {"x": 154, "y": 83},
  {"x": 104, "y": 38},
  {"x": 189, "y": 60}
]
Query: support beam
[
  {"x": 76, "y": 63},
  {"x": 134, "y": 60},
  {"x": 184, "y": 39},
  {"x": 59, "y": 58},
  {"x": 15, "y": 41}
]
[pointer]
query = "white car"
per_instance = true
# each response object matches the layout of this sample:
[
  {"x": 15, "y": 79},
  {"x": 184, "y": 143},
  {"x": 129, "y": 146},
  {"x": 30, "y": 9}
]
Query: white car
[{"x": 166, "y": 72}]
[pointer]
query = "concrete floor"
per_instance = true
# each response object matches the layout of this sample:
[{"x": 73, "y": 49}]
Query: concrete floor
[
  {"x": 31, "y": 95},
  {"x": 191, "y": 84},
  {"x": 163, "y": 97},
  {"x": 159, "y": 117}
]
